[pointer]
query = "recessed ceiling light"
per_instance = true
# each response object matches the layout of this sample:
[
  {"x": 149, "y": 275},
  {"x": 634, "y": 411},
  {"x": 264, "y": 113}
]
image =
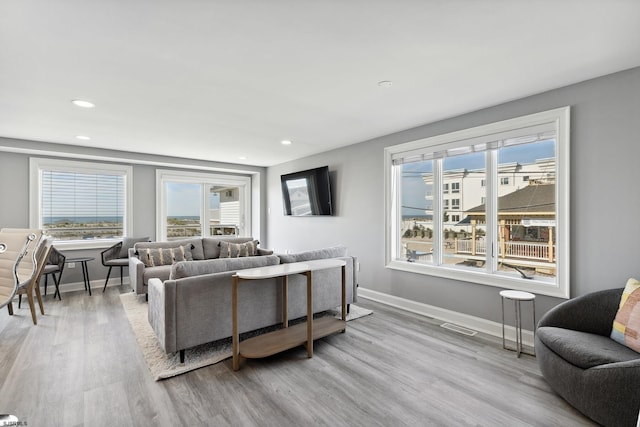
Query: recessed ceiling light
[
  {"x": 83, "y": 137},
  {"x": 82, "y": 103},
  {"x": 385, "y": 83},
  {"x": 285, "y": 142},
  {"x": 242, "y": 158}
]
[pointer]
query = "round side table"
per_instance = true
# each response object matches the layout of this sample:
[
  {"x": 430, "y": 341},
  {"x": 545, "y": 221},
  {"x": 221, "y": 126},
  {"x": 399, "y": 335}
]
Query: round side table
[{"x": 518, "y": 297}]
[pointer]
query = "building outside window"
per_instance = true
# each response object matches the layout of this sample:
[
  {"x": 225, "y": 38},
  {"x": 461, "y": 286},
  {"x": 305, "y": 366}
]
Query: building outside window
[
  {"x": 512, "y": 232},
  {"x": 455, "y": 187}
]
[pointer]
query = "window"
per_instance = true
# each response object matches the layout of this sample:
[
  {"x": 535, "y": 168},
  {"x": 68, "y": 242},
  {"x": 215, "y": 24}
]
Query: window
[
  {"x": 200, "y": 204},
  {"x": 525, "y": 178},
  {"x": 509, "y": 236},
  {"x": 455, "y": 218},
  {"x": 455, "y": 187},
  {"x": 445, "y": 188},
  {"x": 80, "y": 203}
]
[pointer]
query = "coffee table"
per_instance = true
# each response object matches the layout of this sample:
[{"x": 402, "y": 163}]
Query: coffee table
[{"x": 288, "y": 337}]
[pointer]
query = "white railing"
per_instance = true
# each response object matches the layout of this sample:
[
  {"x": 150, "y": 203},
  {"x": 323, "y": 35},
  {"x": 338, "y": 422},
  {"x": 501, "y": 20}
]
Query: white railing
[{"x": 528, "y": 250}]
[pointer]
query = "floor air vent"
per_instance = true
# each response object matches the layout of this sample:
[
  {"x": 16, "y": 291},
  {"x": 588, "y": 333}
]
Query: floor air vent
[{"x": 459, "y": 329}]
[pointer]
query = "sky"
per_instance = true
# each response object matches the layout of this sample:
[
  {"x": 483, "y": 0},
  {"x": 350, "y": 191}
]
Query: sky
[
  {"x": 184, "y": 199},
  {"x": 414, "y": 189}
]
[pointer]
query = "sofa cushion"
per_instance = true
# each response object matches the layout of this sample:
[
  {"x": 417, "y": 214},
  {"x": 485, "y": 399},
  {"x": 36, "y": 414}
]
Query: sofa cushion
[
  {"x": 211, "y": 245},
  {"x": 128, "y": 243},
  {"x": 332, "y": 252},
  {"x": 196, "y": 246},
  {"x": 626, "y": 326},
  {"x": 152, "y": 257},
  {"x": 583, "y": 349},
  {"x": 161, "y": 272},
  {"x": 237, "y": 250},
  {"x": 183, "y": 269}
]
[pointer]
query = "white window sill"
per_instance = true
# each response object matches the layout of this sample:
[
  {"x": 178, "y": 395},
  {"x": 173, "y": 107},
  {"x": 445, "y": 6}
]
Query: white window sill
[{"x": 502, "y": 280}]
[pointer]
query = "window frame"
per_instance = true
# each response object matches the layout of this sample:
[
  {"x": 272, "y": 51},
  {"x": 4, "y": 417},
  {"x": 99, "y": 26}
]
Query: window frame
[
  {"x": 38, "y": 164},
  {"x": 559, "y": 120},
  {"x": 163, "y": 176}
]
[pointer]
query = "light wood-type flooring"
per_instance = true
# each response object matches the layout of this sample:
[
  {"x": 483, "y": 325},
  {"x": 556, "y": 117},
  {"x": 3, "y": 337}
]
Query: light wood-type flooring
[{"x": 81, "y": 366}]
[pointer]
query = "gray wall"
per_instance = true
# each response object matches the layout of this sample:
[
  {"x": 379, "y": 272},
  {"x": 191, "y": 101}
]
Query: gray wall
[
  {"x": 605, "y": 148},
  {"x": 14, "y": 190}
]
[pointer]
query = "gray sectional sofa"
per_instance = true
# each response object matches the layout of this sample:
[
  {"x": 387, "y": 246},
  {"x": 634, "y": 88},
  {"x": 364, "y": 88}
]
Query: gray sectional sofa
[
  {"x": 201, "y": 249},
  {"x": 193, "y": 305}
]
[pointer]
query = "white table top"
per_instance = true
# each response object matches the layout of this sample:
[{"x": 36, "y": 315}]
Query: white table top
[
  {"x": 518, "y": 295},
  {"x": 287, "y": 269}
]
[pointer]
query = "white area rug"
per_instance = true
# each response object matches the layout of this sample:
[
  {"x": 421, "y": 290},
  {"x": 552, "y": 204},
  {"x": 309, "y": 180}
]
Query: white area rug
[{"x": 163, "y": 365}]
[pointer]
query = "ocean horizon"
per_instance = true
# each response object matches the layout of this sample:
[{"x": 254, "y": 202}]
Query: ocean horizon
[{"x": 99, "y": 219}]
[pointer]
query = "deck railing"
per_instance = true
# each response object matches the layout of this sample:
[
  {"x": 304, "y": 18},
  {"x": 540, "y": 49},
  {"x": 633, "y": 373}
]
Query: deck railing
[{"x": 512, "y": 249}]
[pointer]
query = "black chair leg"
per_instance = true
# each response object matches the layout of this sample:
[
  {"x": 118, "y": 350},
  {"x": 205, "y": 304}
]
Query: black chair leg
[
  {"x": 56, "y": 281},
  {"x": 121, "y": 273},
  {"x": 107, "y": 281},
  {"x": 181, "y": 356},
  {"x": 19, "y": 300},
  {"x": 46, "y": 280}
]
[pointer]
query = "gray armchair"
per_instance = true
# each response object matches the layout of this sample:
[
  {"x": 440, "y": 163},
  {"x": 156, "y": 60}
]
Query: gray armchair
[{"x": 592, "y": 372}]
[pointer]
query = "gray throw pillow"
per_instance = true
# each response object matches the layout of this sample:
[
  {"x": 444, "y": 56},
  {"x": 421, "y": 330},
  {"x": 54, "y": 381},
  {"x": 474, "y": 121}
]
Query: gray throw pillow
[
  {"x": 236, "y": 250},
  {"x": 128, "y": 243},
  {"x": 152, "y": 257}
]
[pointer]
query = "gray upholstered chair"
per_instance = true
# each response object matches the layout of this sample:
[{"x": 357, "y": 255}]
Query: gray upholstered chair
[
  {"x": 592, "y": 372},
  {"x": 118, "y": 256}
]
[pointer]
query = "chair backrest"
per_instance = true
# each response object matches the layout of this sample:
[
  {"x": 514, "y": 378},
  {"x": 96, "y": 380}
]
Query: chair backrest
[
  {"x": 17, "y": 252},
  {"x": 27, "y": 267},
  {"x": 56, "y": 258}
]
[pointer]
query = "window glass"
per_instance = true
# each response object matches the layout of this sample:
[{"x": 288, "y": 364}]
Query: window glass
[
  {"x": 200, "y": 204},
  {"x": 488, "y": 205},
  {"x": 183, "y": 210},
  {"x": 460, "y": 250},
  {"x": 417, "y": 212},
  {"x": 526, "y": 215},
  {"x": 79, "y": 202}
]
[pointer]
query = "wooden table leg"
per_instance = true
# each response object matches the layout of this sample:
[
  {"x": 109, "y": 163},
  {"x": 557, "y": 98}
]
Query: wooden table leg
[
  {"x": 285, "y": 304},
  {"x": 344, "y": 293},
  {"x": 309, "y": 314},
  {"x": 234, "y": 334}
]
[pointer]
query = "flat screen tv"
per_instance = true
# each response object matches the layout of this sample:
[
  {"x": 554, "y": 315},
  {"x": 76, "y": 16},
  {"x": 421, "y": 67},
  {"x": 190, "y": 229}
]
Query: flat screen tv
[{"x": 307, "y": 193}]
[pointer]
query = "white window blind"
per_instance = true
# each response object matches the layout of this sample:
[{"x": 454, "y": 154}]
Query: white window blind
[{"x": 80, "y": 201}]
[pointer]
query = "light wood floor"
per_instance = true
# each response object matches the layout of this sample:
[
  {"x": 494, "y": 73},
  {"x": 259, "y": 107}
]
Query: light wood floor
[{"x": 81, "y": 367}]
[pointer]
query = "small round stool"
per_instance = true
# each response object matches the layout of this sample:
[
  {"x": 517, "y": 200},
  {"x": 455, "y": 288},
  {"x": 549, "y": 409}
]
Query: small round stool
[{"x": 518, "y": 297}]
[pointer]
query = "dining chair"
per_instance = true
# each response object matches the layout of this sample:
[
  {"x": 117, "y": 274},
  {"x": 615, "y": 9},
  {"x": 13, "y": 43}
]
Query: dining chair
[
  {"x": 14, "y": 247},
  {"x": 32, "y": 285}
]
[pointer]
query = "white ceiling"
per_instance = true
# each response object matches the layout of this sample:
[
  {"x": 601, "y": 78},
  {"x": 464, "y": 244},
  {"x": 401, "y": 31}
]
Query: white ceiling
[{"x": 220, "y": 80}]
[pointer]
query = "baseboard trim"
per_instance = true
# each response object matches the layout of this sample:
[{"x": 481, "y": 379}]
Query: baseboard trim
[
  {"x": 472, "y": 322},
  {"x": 97, "y": 284}
]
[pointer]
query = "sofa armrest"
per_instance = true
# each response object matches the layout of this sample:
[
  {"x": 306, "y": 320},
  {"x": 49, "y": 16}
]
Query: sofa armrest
[
  {"x": 161, "y": 315},
  {"x": 593, "y": 313},
  {"x": 136, "y": 275}
]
